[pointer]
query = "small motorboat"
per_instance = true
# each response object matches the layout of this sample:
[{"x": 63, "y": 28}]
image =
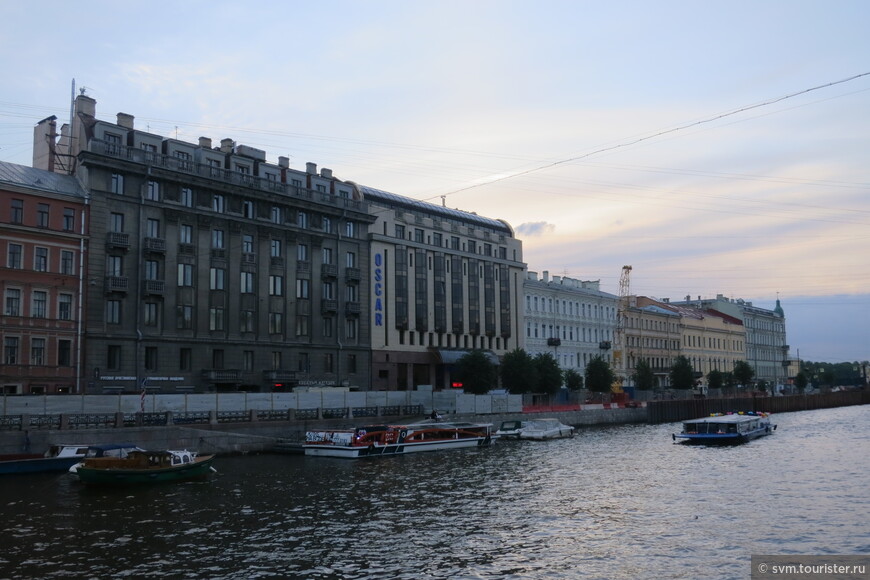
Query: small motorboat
[
  {"x": 535, "y": 429},
  {"x": 141, "y": 467}
]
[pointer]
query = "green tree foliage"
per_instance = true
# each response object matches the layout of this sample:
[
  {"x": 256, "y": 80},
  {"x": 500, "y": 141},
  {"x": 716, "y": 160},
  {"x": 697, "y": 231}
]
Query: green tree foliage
[
  {"x": 599, "y": 375},
  {"x": 476, "y": 373},
  {"x": 682, "y": 374},
  {"x": 836, "y": 374},
  {"x": 643, "y": 376},
  {"x": 801, "y": 381},
  {"x": 519, "y": 374},
  {"x": 573, "y": 380},
  {"x": 715, "y": 379},
  {"x": 743, "y": 372},
  {"x": 549, "y": 373}
]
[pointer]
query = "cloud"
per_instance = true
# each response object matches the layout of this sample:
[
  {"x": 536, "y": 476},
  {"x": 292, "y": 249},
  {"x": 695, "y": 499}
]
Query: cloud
[{"x": 535, "y": 229}]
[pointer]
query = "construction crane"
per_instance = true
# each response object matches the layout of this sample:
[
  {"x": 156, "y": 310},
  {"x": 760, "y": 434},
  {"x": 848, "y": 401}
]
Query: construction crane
[{"x": 619, "y": 366}]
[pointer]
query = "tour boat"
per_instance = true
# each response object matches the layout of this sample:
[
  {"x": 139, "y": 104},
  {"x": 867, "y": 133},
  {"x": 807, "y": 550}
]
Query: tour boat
[
  {"x": 57, "y": 458},
  {"x": 106, "y": 450},
  {"x": 145, "y": 467},
  {"x": 536, "y": 429},
  {"x": 726, "y": 428},
  {"x": 375, "y": 440}
]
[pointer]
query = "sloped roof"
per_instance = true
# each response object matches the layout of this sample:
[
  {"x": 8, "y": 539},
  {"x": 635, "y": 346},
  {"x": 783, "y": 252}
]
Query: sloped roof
[{"x": 40, "y": 179}]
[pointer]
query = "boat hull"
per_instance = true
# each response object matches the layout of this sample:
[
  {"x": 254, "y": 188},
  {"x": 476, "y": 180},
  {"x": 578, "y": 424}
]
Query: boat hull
[
  {"x": 199, "y": 469},
  {"x": 355, "y": 451},
  {"x": 37, "y": 465}
]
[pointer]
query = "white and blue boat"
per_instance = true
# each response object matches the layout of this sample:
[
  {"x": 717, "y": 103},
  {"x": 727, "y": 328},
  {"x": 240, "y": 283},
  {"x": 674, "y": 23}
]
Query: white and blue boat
[{"x": 725, "y": 428}]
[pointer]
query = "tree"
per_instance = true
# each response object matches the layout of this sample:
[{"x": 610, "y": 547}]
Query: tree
[
  {"x": 643, "y": 376},
  {"x": 573, "y": 380},
  {"x": 519, "y": 374},
  {"x": 549, "y": 373},
  {"x": 715, "y": 379},
  {"x": 743, "y": 372},
  {"x": 476, "y": 373},
  {"x": 800, "y": 381},
  {"x": 682, "y": 374},
  {"x": 599, "y": 375}
]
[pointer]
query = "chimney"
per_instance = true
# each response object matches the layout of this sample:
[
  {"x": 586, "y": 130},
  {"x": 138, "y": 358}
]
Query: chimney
[
  {"x": 86, "y": 106},
  {"x": 125, "y": 120},
  {"x": 546, "y": 276},
  {"x": 227, "y": 145},
  {"x": 327, "y": 173},
  {"x": 205, "y": 142},
  {"x": 44, "y": 144},
  {"x": 311, "y": 168},
  {"x": 284, "y": 162}
]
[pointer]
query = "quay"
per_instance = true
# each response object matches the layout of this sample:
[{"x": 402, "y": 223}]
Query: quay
[{"x": 255, "y": 430}]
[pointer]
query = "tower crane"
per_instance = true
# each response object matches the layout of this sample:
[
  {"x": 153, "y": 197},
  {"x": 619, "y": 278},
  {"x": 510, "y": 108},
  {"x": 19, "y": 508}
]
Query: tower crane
[{"x": 619, "y": 366}]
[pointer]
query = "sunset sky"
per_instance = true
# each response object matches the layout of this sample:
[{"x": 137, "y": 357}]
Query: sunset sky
[{"x": 717, "y": 147}]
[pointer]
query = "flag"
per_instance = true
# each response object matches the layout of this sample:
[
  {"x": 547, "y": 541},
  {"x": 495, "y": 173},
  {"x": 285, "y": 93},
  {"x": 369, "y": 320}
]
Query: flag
[{"x": 142, "y": 397}]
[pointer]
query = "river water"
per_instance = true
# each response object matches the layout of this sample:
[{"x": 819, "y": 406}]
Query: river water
[{"x": 617, "y": 502}]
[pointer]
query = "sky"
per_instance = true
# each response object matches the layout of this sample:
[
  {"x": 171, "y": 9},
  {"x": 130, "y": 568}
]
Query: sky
[{"x": 717, "y": 147}]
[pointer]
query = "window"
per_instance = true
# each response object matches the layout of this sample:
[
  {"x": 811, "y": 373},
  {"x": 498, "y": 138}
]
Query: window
[
  {"x": 350, "y": 229},
  {"x": 114, "y": 266},
  {"x": 150, "y": 313},
  {"x": 186, "y": 197},
  {"x": 16, "y": 213},
  {"x": 302, "y": 219},
  {"x": 40, "y": 304},
  {"x": 277, "y": 215},
  {"x": 437, "y": 239},
  {"x": 303, "y": 289},
  {"x": 64, "y": 353},
  {"x": 64, "y": 306},
  {"x": 248, "y": 243},
  {"x": 151, "y": 358},
  {"x": 327, "y": 225},
  {"x": 351, "y": 363},
  {"x": 185, "y": 234},
  {"x": 350, "y": 327},
  {"x": 350, "y": 260},
  {"x": 217, "y": 358},
  {"x": 14, "y": 254},
  {"x": 328, "y": 366},
  {"x": 217, "y": 203},
  {"x": 276, "y": 360},
  {"x": 400, "y": 231},
  {"x": 42, "y": 215},
  {"x": 113, "y": 357},
  {"x": 183, "y": 159},
  {"x": 328, "y": 291},
  {"x": 185, "y": 316},
  {"x": 276, "y": 285},
  {"x": 117, "y": 184},
  {"x": 326, "y": 326},
  {"x": 327, "y": 255},
  {"x": 67, "y": 260},
  {"x": 248, "y": 209},
  {"x": 454, "y": 242},
  {"x": 13, "y": 302},
  {"x": 152, "y": 270},
  {"x": 152, "y": 228},
  {"x": 113, "y": 144},
  {"x": 217, "y": 239},
  {"x": 246, "y": 321},
  {"x": 185, "y": 359},
  {"x": 275, "y": 248},
  {"x": 352, "y": 293},
  {"x": 116, "y": 223},
  {"x": 418, "y": 235},
  {"x": 246, "y": 282},
  {"x": 302, "y": 253},
  {"x": 248, "y": 360},
  {"x": 217, "y": 278},
  {"x": 113, "y": 312},
  {"x": 69, "y": 219},
  {"x": 40, "y": 259},
  {"x": 301, "y": 325},
  {"x": 152, "y": 190},
  {"x": 185, "y": 274},
  {"x": 276, "y": 323},
  {"x": 215, "y": 318},
  {"x": 10, "y": 350}
]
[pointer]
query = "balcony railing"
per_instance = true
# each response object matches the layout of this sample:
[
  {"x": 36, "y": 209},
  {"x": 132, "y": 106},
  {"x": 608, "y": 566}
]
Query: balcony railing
[
  {"x": 118, "y": 240},
  {"x": 157, "y": 245},
  {"x": 153, "y": 287},
  {"x": 329, "y": 271},
  {"x": 352, "y": 274},
  {"x": 117, "y": 284},
  {"x": 328, "y": 306}
]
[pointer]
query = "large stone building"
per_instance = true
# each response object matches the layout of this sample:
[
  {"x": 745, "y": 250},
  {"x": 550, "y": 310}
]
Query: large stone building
[
  {"x": 210, "y": 268},
  {"x": 571, "y": 319},
  {"x": 41, "y": 246},
  {"x": 444, "y": 282}
]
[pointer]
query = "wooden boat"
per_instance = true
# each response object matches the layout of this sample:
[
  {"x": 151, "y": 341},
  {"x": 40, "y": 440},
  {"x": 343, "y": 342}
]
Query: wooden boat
[
  {"x": 141, "y": 467},
  {"x": 721, "y": 428},
  {"x": 379, "y": 440},
  {"x": 57, "y": 458},
  {"x": 535, "y": 429},
  {"x": 106, "y": 450}
]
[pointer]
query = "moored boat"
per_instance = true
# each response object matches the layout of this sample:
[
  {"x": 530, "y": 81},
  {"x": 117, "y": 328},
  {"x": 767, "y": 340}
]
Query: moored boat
[
  {"x": 57, "y": 458},
  {"x": 377, "y": 440},
  {"x": 140, "y": 467},
  {"x": 721, "y": 428},
  {"x": 535, "y": 429},
  {"x": 106, "y": 450}
]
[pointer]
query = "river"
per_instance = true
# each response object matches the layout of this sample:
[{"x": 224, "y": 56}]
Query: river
[{"x": 617, "y": 502}]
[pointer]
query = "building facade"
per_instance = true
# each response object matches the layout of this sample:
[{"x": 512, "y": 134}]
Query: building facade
[
  {"x": 444, "y": 282},
  {"x": 653, "y": 334},
  {"x": 571, "y": 319},
  {"x": 42, "y": 239},
  {"x": 211, "y": 269}
]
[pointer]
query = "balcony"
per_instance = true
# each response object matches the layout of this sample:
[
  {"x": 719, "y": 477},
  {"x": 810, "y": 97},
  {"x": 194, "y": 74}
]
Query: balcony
[
  {"x": 329, "y": 271},
  {"x": 248, "y": 258},
  {"x": 117, "y": 284},
  {"x": 352, "y": 274},
  {"x": 118, "y": 240},
  {"x": 186, "y": 250},
  {"x": 276, "y": 262},
  {"x": 328, "y": 306},
  {"x": 153, "y": 287},
  {"x": 352, "y": 308},
  {"x": 303, "y": 266},
  {"x": 154, "y": 245}
]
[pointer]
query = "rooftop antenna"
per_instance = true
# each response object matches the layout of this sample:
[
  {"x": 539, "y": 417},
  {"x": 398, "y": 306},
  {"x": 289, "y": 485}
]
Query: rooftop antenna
[{"x": 443, "y": 201}]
